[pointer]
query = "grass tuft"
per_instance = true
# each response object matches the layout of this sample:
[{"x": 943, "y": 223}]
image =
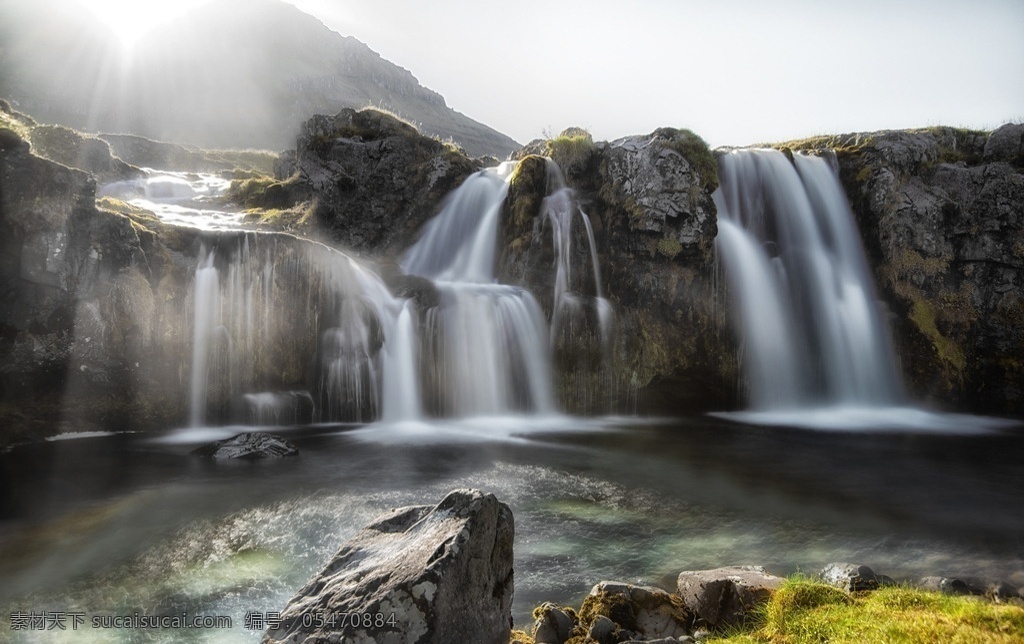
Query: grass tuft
[{"x": 803, "y": 611}]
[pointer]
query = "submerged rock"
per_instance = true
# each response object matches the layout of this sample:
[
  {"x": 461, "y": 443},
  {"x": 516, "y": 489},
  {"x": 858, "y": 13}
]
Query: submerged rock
[
  {"x": 438, "y": 575},
  {"x": 724, "y": 597},
  {"x": 248, "y": 446}
]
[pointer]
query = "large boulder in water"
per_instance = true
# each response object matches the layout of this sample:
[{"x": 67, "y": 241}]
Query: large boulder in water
[{"x": 429, "y": 575}]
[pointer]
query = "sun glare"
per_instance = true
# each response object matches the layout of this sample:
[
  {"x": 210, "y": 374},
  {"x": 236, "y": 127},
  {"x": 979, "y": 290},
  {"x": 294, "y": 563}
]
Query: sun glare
[{"x": 131, "y": 19}]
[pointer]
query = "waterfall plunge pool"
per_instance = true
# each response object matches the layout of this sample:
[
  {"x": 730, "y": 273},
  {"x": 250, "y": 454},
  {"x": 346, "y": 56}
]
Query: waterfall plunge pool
[{"x": 125, "y": 523}]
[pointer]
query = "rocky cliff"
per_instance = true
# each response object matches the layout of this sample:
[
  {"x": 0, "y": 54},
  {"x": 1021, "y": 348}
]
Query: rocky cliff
[
  {"x": 649, "y": 201},
  {"x": 941, "y": 212},
  {"x": 99, "y": 303},
  {"x": 374, "y": 179}
]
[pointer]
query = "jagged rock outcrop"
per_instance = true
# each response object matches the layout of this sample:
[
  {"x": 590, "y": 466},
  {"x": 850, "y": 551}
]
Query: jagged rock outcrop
[
  {"x": 941, "y": 212},
  {"x": 375, "y": 180},
  {"x": 416, "y": 575},
  {"x": 649, "y": 201}
]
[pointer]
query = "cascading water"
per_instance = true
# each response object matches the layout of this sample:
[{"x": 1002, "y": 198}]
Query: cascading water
[
  {"x": 813, "y": 331},
  {"x": 485, "y": 340},
  {"x": 180, "y": 198},
  {"x": 560, "y": 209},
  {"x": 277, "y": 320}
]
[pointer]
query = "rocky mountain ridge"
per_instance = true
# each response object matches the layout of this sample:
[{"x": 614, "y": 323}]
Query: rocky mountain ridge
[{"x": 228, "y": 74}]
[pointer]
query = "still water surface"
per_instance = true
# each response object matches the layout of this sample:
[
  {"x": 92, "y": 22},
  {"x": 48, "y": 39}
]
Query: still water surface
[{"x": 118, "y": 524}]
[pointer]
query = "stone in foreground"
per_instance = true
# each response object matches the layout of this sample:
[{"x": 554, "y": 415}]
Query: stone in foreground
[
  {"x": 248, "y": 446},
  {"x": 724, "y": 597},
  {"x": 416, "y": 575},
  {"x": 634, "y": 612},
  {"x": 849, "y": 577}
]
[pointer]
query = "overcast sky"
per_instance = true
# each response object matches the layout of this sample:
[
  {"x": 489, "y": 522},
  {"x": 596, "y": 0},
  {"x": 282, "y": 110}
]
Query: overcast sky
[{"x": 734, "y": 71}]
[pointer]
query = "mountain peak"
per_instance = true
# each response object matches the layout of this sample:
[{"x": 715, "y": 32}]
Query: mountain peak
[{"x": 226, "y": 73}]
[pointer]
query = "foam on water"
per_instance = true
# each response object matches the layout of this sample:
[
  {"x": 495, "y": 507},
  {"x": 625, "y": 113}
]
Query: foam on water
[{"x": 863, "y": 418}]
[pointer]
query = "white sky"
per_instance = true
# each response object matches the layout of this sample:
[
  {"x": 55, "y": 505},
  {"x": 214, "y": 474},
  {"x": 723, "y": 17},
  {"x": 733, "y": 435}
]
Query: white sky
[{"x": 734, "y": 71}]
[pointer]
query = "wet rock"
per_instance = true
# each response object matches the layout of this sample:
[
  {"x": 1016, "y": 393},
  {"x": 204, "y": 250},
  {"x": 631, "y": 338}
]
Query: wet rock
[
  {"x": 994, "y": 590},
  {"x": 947, "y": 585},
  {"x": 440, "y": 575},
  {"x": 248, "y": 446},
  {"x": 649, "y": 202},
  {"x": 602, "y": 630},
  {"x": 724, "y": 597},
  {"x": 553, "y": 626},
  {"x": 637, "y": 611},
  {"x": 374, "y": 178},
  {"x": 849, "y": 577}
]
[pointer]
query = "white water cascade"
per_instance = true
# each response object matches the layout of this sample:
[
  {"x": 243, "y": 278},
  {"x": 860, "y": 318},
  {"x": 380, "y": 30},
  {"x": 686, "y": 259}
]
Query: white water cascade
[
  {"x": 813, "y": 331},
  {"x": 486, "y": 342},
  {"x": 287, "y": 329},
  {"x": 561, "y": 210}
]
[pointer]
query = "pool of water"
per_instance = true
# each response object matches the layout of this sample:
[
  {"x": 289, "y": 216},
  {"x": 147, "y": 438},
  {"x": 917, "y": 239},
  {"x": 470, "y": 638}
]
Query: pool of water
[{"x": 125, "y": 523}]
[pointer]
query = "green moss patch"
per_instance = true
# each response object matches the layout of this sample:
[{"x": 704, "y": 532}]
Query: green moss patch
[
  {"x": 923, "y": 315},
  {"x": 804, "y": 612},
  {"x": 571, "y": 150}
]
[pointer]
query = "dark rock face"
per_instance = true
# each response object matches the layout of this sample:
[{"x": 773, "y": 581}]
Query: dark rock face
[
  {"x": 649, "y": 201},
  {"x": 439, "y": 575},
  {"x": 248, "y": 446},
  {"x": 78, "y": 307},
  {"x": 942, "y": 216},
  {"x": 374, "y": 178},
  {"x": 725, "y": 597}
]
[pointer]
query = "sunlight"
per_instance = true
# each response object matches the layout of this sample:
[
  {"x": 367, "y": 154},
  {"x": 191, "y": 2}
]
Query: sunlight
[{"x": 131, "y": 19}]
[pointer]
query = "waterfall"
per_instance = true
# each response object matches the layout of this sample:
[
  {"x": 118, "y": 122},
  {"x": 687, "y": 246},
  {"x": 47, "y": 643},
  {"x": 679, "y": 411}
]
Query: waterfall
[
  {"x": 275, "y": 316},
  {"x": 277, "y": 321},
  {"x": 812, "y": 329},
  {"x": 561, "y": 210},
  {"x": 205, "y": 322},
  {"x": 487, "y": 350}
]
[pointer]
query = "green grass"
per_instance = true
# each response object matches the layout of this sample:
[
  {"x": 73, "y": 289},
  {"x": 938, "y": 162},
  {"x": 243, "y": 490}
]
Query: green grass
[
  {"x": 803, "y": 611},
  {"x": 571, "y": 149}
]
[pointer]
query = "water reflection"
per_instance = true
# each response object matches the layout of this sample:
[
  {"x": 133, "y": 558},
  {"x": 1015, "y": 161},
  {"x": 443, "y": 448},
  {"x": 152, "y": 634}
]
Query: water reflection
[{"x": 129, "y": 522}]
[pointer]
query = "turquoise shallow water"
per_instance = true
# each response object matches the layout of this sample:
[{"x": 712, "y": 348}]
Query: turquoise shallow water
[{"x": 119, "y": 524}]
